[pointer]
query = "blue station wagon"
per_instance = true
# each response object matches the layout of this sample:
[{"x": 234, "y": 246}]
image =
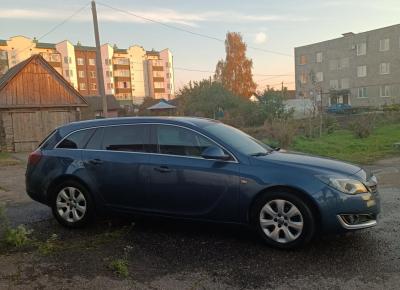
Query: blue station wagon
[{"x": 198, "y": 169}]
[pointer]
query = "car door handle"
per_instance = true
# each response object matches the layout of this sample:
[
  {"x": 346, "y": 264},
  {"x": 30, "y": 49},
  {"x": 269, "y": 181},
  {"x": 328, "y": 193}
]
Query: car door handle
[
  {"x": 96, "y": 161},
  {"x": 162, "y": 169}
]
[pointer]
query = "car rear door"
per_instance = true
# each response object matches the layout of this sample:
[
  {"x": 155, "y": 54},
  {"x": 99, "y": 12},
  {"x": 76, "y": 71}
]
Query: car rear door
[
  {"x": 116, "y": 159},
  {"x": 184, "y": 183}
]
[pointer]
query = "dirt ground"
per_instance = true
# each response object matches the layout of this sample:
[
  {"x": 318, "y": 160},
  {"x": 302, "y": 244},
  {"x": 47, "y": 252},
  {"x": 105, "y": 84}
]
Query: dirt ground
[{"x": 177, "y": 255}]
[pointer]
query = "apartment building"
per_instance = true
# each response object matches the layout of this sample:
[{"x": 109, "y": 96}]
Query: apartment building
[
  {"x": 363, "y": 68},
  {"x": 130, "y": 74}
]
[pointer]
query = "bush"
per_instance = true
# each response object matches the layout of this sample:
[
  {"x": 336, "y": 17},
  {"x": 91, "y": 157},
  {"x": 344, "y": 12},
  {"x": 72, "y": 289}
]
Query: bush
[
  {"x": 364, "y": 126},
  {"x": 120, "y": 267},
  {"x": 283, "y": 131},
  {"x": 330, "y": 124},
  {"x": 17, "y": 237}
]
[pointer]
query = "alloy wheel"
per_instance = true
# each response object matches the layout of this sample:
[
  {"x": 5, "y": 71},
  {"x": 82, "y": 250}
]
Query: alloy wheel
[
  {"x": 71, "y": 204},
  {"x": 281, "y": 221}
]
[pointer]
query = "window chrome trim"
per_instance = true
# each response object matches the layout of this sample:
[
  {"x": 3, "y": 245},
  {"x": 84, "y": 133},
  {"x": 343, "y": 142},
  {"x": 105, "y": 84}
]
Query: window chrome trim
[{"x": 149, "y": 153}]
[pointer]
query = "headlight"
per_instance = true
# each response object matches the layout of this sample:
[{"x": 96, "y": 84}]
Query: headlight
[{"x": 346, "y": 185}]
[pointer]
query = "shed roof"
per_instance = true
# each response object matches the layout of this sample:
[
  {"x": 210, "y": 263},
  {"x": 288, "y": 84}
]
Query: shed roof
[{"x": 15, "y": 70}]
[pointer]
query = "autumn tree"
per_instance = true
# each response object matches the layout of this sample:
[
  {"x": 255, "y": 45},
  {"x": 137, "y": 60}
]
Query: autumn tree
[{"x": 235, "y": 71}]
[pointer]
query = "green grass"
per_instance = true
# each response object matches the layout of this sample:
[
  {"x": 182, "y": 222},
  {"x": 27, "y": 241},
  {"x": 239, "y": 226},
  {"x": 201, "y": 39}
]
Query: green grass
[
  {"x": 6, "y": 159},
  {"x": 344, "y": 145}
]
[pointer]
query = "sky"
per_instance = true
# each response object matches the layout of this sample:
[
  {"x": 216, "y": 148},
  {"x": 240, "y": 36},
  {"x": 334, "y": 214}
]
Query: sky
[{"x": 266, "y": 26}]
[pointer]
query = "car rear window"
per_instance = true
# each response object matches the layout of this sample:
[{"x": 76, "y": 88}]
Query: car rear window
[{"x": 76, "y": 140}]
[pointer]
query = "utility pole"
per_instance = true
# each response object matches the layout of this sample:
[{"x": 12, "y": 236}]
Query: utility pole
[
  {"x": 99, "y": 65},
  {"x": 282, "y": 91}
]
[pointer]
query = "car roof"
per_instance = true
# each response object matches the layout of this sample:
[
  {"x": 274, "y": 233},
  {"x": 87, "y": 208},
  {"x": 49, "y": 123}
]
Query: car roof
[{"x": 191, "y": 121}]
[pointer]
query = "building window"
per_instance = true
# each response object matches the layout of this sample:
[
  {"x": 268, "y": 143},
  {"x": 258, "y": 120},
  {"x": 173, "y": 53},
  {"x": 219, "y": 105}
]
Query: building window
[
  {"x": 159, "y": 85},
  {"x": 82, "y": 86},
  {"x": 319, "y": 76},
  {"x": 344, "y": 83},
  {"x": 362, "y": 71},
  {"x": 67, "y": 60},
  {"x": 384, "y": 44},
  {"x": 344, "y": 63},
  {"x": 122, "y": 73},
  {"x": 303, "y": 78},
  {"x": 55, "y": 57},
  {"x": 110, "y": 86},
  {"x": 318, "y": 57},
  {"x": 81, "y": 73},
  {"x": 109, "y": 73},
  {"x": 384, "y": 91},
  {"x": 303, "y": 59},
  {"x": 384, "y": 68},
  {"x": 67, "y": 73},
  {"x": 168, "y": 75},
  {"x": 157, "y": 74},
  {"x": 334, "y": 84},
  {"x": 92, "y": 74},
  {"x": 92, "y": 61},
  {"x": 80, "y": 61},
  {"x": 122, "y": 61},
  {"x": 361, "y": 48},
  {"x": 124, "y": 85},
  {"x": 93, "y": 86},
  {"x": 362, "y": 92},
  {"x": 333, "y": 65},
  {"x": 107, "y": 61}
]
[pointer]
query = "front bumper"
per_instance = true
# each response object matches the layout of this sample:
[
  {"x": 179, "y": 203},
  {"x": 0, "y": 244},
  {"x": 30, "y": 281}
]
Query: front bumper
[{"x": 342, "y": 212}]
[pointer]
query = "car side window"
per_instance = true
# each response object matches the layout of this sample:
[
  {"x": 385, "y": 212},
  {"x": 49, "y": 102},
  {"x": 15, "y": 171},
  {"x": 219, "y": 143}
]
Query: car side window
[
  {"x": 131, "y": 138},
  {"x": 96, "y": 139},
  {"x": 76, "y": 140},
  {"x": 180, "y": 141}
]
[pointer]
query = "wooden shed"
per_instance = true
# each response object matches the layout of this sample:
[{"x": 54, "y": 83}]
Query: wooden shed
[{"x": 34, "y": 100}]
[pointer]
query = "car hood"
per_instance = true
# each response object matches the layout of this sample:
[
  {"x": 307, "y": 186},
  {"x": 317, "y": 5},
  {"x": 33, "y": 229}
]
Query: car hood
[{"x": 313, "y": 163}]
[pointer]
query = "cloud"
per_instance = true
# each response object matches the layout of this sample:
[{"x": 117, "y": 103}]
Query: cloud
[
  {"x": 161, "y": 15},
  {"x": 260, "y": 37}
]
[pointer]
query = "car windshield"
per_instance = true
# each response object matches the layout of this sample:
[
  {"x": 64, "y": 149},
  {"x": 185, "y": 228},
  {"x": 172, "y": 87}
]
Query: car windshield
[{"x": 238, "y": 139}]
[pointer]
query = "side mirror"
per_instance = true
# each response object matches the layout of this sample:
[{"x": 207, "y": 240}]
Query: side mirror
[{"x": 214, "y": 153}]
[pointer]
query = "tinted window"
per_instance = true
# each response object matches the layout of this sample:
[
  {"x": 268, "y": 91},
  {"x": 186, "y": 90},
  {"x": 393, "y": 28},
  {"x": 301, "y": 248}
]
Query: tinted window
[
  {"x": 133, "y": 138},
  {"x": 179, "y": 141},
  {"x": 95, "y": 141},
  {"x": 76, "y": 140}
]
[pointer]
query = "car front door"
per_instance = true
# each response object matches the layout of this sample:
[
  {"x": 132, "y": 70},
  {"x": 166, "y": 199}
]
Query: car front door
[
  {"x": 116, "y": 159},
  {"x": 184, "y": 183}
]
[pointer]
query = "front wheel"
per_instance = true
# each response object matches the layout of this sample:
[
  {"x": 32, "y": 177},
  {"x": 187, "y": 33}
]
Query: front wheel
[
  {"x": 72, "y": 205},
  {"x": 283, "y": 220}
]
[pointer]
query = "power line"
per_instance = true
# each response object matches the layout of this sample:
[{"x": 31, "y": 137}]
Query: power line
[
  {"x": 57, "y": 26},
  {"x": 209, "y": 71},
  {"x": 189, "y": 31}
]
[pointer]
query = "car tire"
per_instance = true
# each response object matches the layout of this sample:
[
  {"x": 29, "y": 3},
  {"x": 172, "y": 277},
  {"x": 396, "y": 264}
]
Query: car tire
[
  {"x": 72, "y": 205},
  {"x": 283, "y": 220}
]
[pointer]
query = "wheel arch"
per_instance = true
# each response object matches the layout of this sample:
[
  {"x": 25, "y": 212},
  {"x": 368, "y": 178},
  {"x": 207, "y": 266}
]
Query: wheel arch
[
  {"x": 63, "y": 178},
  {"x": 298, "y": 192}
]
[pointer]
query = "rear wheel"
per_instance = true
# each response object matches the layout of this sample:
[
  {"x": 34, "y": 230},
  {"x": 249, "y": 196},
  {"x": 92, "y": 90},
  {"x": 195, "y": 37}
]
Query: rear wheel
[
  {"x": 283, "y": 220},
  {"x": 72, "y": 205}
]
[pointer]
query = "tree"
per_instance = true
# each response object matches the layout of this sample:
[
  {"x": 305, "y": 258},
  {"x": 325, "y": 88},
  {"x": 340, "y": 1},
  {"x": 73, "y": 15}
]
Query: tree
[
  {"x": 208, "y": 98},
  {"x": 235, "y": 72},
  {"x": 272, "y": 105}
]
